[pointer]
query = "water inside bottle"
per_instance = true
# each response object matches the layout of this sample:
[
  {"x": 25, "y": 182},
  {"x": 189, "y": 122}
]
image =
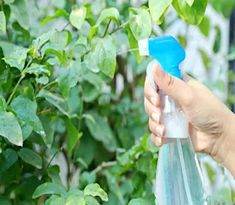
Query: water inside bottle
[{"x": 178, "y": 180}]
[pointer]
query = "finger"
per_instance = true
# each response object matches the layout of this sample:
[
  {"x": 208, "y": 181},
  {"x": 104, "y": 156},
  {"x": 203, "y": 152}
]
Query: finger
[
  {"x": 156, "y": 128},
  {"x": 152, "y": 111},
  {"x": 201, "y": 142},
  {"x": 151, "y": 94},
  {"x": 174, "y": 87},
  {"x": 156, "y": 140}
]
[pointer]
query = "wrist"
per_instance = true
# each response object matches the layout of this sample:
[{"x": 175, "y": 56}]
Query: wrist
[{"x": 226, "y": 144}]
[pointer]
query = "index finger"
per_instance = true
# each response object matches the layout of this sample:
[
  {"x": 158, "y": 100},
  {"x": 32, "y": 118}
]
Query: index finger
[{"x": 151, "y": 94}]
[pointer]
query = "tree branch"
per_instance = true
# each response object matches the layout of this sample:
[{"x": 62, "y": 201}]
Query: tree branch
[{"x": 103, "y": 165}]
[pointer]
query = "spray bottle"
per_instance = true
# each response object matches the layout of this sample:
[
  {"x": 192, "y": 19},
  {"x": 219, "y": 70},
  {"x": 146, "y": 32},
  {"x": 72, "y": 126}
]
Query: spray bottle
[{"x": 178, "y": 177}]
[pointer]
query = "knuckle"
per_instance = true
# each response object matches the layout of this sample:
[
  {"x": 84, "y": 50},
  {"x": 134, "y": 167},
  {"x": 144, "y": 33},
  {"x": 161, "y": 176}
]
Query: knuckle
[{"x": 170, "y": 80}]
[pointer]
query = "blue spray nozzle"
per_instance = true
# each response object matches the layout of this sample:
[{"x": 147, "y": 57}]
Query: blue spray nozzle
[{"x": 166, "y": 50}]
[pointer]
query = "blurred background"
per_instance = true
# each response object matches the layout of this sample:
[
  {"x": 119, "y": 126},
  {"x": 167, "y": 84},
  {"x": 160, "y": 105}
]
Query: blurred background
[{"x": 106, "y": 110}]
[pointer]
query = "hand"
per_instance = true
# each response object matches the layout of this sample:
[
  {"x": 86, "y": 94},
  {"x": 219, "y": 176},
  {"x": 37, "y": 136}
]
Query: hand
[{"x": 211, "y": 123}]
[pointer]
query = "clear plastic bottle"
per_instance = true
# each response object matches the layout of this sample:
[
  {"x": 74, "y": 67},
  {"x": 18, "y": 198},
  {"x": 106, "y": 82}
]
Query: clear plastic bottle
[{"x": 178, "y": 178}]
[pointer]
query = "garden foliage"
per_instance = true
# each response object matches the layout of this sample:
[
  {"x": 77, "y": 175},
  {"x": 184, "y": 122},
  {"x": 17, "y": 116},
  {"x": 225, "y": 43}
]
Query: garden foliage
[{"x": 61, "y": 64}]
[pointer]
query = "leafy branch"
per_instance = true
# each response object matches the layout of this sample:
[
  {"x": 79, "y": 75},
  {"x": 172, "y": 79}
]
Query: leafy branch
[{"x": 18, "y": 82}]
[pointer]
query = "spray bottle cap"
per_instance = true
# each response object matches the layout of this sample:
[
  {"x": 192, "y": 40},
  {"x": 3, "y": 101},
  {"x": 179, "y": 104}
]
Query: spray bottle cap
[{"x": 166, "y": 50}]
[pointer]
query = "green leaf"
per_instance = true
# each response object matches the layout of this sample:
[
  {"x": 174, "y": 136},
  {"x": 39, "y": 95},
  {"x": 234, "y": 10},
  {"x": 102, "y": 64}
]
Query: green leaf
[
  {"x": 217, "y": 42},
  {"x": 73, "y": 136},
  {"x": 14, "y": 55},
  {"x": 104, "y": 54},
  {"x": 9, "y": 158},
  {"x": 22, "y": 30},
  {"x": 91, "y": 201},
  {"x": 157, "y": 9},
  {"x": 210, "y": 172},
  {"x": 69, "y": 77},
  {"x": 114, "y": 186},
  {"x": 39, "y": 42},
  {"x": 25, "y": 110},
  {"x": 60, "y": 55},
  {"x": 75, "y": 198},
  {"x": 48, "y": 188},
  {"x": 221, "y": 196},
  {"x": 59, "y": 40},
  {"x": 182, "y": 40},
  {"x": 3, "y": 104},
  {"x": 204, "y": 26},
  {"x": 30, "y": 157},
  {"x": 190, "y": 2},
  {"x": 101, "y": 131},
  {"x": 191, "y": 14},
  {"x": 37, "y": 69},
  {"x": 55, "y": 200},
  {"x": 40, "y": 71},
  {"x": 48, "y": 128},
  {"x": 19, "y": 12},
  {"x": 107, "y": 56},
  {"x": 74, "y": 101},
  {"x": 77, "y": 17},
  {"x": 108, "y": 13},
  {"x": 146, "y": 164},
  {"x": 133, "y": 44},
  {"x": 205, "y": 58},
  {"x": 95, "y": 190},
  {"x": 140, "y": 23},
  {"x": 2, "y": 22},
  {"x": 55, "y": 100},
  {"x": 54, "y": 173},
  {"x": 57, "y": 14},
  {"x": 224, "y": 7},
  {"x": 91, "y": 85},
  {"x": 10, "y": 128},
  {"x": 86, "y": 177}
]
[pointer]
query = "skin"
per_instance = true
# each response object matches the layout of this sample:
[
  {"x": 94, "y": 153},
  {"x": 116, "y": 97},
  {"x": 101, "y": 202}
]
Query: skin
[{"x": 211, "y": 123}]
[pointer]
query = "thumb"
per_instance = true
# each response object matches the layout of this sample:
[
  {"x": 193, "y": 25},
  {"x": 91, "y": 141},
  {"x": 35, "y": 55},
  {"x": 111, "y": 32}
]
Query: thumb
[{"x": 174, "y": 87}]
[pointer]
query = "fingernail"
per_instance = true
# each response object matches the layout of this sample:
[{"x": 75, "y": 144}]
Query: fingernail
[
  {"x": 156, "y": 117},
  {"x": 153, "y": 100},
  {"x": 160, "y": 130}
]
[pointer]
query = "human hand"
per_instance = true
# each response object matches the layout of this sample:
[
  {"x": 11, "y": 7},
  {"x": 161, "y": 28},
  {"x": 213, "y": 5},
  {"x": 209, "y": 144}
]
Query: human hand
[{"x": 211, "y": 123}]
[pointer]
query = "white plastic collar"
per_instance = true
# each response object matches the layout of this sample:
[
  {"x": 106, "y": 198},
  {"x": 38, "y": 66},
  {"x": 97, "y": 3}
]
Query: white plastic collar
[{"x": 143, "y": 47}]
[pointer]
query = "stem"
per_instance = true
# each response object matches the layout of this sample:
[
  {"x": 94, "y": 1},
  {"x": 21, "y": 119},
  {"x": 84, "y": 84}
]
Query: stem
[
  {"x": 49, "y": 84},
  {"x": 103, "y": 165},
  {"x": 106, "y": 30},
  {"x": 52, "y": 158},
  {"x": 18, "y": 82},
  {"x": 65, "y": 26},
  {"x": 120, "y": 27},
  {"x": 14, "y": 90},
  {"x": 120, "y": 52}
]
